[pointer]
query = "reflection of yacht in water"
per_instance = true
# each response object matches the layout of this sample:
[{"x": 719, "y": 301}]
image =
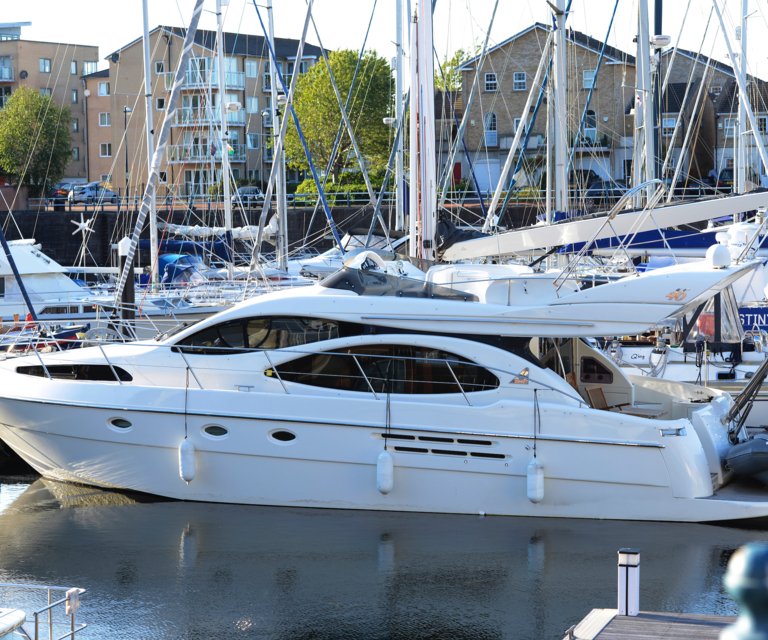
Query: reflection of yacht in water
[{"x": 287, "y": 573}]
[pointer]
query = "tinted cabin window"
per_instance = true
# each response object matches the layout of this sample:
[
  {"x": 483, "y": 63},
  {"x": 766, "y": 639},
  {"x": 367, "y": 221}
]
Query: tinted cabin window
[
  {"x": 592, "y": 370},
  {"x": 389, "y": 368},
  {"x": 237, "y": 336}
]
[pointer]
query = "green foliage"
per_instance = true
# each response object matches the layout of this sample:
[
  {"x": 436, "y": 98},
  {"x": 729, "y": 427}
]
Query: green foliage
[
  {"x": 320, "y": 117},
  {"x": 35, "y": 144},
  {"x": 450, "y": 79},
  {"x": 349, "y": 187}
]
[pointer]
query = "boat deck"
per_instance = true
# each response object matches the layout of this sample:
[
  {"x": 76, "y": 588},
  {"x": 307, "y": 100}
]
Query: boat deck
[{"x": 604, "y": 624}]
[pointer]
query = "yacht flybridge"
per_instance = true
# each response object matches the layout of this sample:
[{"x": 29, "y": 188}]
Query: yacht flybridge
[{"x": 465, "y": 389}]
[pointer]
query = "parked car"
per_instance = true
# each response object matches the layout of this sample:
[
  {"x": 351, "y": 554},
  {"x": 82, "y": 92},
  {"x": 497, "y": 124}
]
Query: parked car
[
  {"x": 603, "y": 194},
  {"x": 726, "y": 177},
  {"x": 92, "y": 193},
  {"x": 57, "y": 194},
  {"x": 689, "y": 187},
  {"x": 247, "y": 196}
]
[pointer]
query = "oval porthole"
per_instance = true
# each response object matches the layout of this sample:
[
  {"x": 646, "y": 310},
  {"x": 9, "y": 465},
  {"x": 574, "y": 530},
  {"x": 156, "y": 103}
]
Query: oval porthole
[
  {"x": 215, "y": 430},
  {"x": 120, "y": 424},
  {"x": 283, "y": 436}
]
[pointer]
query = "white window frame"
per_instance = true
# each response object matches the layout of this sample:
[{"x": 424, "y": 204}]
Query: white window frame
[
  {"x": 762, "y": 124},
  {"x": 515, "y": 124},
  {"x": 588, "y": 77},
  {"x": 159, "y": 67},
  {"x": 75, "y": 125},
  {"x": 162, "y": 177},
  {"x": 490, "y": 82},
  {"x": 252, "y": 104},
  {"x": 490, "y": 129},
  {"x": 105, "y": 150},
  {"x": 103, "y": 88},
  {"x": 46, "y": 91},
  {"x": 75, "y": 153},
  {"x": 89, "y": 67},
  {"x": 251, "y": 64},
  {"x": 729, "y": 127},
  {"x": 105, "y": 119},
  {"x": 668, "y": 124},
  {"x": 75, "y": 96},
  {"x": 45, "y": 65},
  {"x": 73, "y": 67},
  {"x": 160, "y": 104},
  {"x": 252, "y": 140},
  {"x": 519, "y": 81}
]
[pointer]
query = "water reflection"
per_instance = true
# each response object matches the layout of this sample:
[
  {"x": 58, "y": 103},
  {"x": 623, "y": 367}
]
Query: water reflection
[{"x": 165, "y": 569}]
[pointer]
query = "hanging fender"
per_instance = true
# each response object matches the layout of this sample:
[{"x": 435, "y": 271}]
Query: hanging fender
[
  {"x": 535, "y": 478},
  {"x": 385, "y": 472},
  {"x": 187, "y": 464}
]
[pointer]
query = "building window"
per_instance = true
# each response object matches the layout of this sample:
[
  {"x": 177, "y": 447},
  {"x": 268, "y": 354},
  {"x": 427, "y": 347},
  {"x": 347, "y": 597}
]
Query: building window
[
  {"x": 588, "y": 79},
  {"x": 74, "y": 96},
  {"x": 668, "y": 126},
  {"x": 90, "y": 67},
  {"x": 103, "y": 88},
  {"x": 516, "y": 124},
  {"x": 75, "y": 153},
  {"x": 162, "y": 177},
  {"x": 762, "y": 124},
  {"x": 252, "y": 140},
  {"x": 45, "y": 91},
  {"x": 729, "y": 126},
  {"x": 73, "y": 67},
  {"x": 45, "y": 65},
  {"x": 252, "y": 104},
  {"x": 160, "y": 104},
  {"x": 491, "y": 83},
  {"x": 159, "y": 67},
  {"x": 590, "y": 126},
  {"x": 519, "y": 81},
  {"x": 105, "y": 150},
  {"x": 105, "y": 119},
  {"x": 251, "y": 68},
  {"x": 106, "y": 177},
  {"x": 268, "y": 76},
  {"x": 75, "y": 125},
  {"x": 491, "y": 134}
]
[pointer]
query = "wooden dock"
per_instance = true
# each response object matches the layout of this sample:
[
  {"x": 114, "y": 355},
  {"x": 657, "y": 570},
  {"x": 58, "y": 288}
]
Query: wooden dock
[{"x": 605, "y": 624}]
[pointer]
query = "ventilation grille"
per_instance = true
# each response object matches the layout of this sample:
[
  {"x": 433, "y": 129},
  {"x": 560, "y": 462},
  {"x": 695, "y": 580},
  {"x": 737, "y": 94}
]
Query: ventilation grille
[{"x": 457, "y": 453}]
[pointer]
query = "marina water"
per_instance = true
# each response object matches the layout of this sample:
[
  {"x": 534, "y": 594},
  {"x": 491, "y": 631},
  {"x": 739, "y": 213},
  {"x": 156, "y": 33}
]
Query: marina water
[{"x": 157, "y": 569}]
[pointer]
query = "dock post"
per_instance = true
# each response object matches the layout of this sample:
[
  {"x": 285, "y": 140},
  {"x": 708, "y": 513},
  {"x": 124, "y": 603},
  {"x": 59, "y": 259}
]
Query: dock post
[
  {"x": 746, "y": 580},
  {"x": 629, "y": 582}
]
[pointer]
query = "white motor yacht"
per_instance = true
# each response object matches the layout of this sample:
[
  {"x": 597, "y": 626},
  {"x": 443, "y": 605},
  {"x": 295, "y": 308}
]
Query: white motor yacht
[{"x": 461, "y": 390}]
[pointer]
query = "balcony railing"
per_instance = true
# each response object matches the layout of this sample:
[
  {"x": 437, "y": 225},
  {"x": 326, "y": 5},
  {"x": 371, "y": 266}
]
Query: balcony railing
[
  {"x": 181, "y": 153},
  {"x": 204, "y": 78},
  {"x": 189, "y": 116}
]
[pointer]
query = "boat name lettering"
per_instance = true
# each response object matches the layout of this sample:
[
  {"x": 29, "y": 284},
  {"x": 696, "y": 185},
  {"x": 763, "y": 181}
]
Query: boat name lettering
[{"x": 678, "y": 295}]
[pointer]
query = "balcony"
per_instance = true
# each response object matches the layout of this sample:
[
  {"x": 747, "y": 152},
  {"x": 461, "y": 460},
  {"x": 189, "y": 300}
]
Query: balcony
[
  {"x": 191, "y": 117},
  {"x": 196, "y": 153},
  {"x": 205, "y": 78}
]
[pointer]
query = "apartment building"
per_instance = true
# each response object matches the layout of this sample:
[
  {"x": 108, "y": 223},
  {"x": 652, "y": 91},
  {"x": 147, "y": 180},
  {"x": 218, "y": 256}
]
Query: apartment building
[
  {"x": 117, "y": 144},
  {"x": 604, "y": 143},
  {"x": 54, "y": 69}
]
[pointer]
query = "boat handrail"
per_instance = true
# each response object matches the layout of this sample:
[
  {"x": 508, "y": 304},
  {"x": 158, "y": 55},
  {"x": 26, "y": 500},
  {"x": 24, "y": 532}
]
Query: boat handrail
[{"x": 69, "y": 600}]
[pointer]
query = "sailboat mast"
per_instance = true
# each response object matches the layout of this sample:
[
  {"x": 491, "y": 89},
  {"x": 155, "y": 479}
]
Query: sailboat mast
[
  {"x": 645, "y": 154},
  {"x": 279, "y": 157},
  {"x": 399, "y": 213},
  {"x": 560, "y": 109},
  {"x": 150, "y": 131},
  {"x": 740, "y": 177},
  {"x": 224, "y": 136},
  {"x": 423, "y": 191}
]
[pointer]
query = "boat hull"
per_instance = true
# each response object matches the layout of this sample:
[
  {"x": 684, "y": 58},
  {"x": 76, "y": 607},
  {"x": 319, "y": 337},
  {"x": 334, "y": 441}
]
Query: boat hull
[{"x": 333, "y": 464}]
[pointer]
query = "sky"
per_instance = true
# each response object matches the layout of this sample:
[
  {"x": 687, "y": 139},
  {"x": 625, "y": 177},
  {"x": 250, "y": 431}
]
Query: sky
[{"x": 459, "y": 24}]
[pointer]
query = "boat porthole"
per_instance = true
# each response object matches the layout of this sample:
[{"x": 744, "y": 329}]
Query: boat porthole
[
  {"x": 120, "y": 424},
  {"x": 215, "y": 431},
  {"x": 282, "y": 436}
]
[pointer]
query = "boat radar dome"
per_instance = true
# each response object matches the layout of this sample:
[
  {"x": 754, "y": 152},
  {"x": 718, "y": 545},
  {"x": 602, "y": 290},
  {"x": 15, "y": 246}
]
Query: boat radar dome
[{"x": 719, "y": 256}]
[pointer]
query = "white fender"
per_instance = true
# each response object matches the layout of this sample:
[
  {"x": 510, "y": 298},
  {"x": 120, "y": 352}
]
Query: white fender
[
  {"x": 187, "y": 464},
  {"x": 535, "y": 476},
  {"x": 385, "y": 472}
]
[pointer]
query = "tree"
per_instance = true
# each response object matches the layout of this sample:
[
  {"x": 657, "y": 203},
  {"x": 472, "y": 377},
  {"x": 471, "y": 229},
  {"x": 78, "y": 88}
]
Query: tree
[
  {"x": 320, "y": 117},
  {"x": 450, "y": 78},
  {"x": 35, "y": 143}
]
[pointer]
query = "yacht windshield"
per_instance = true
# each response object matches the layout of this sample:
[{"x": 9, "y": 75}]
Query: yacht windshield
[{"x": 368, "y": 282}]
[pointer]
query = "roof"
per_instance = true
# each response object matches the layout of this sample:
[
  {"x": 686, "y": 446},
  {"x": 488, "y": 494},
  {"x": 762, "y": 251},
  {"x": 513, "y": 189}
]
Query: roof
[
  {"x": 611, "y": 54},
  {"x": 674, "y": 95},
  {"x": 701, "y": 59},
  {"x": 242, "y": 44},
  {"x": 102, "y": 73},
  {"x": 728, "y": 100}
]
